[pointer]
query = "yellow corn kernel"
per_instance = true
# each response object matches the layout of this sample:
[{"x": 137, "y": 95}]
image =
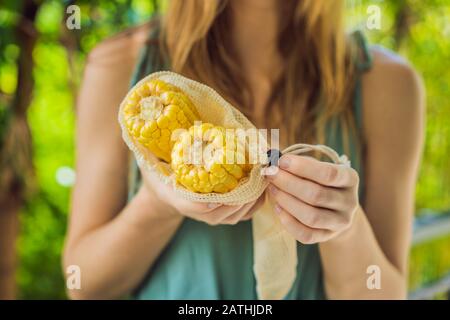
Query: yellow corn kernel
[
  {"x": 212, "y": 173},
  {"x": 153, "y": 111}
]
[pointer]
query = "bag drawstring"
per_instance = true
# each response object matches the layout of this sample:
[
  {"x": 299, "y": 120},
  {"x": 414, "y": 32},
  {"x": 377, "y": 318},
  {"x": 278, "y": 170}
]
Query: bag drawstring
[{"x": 298, "y": 149}]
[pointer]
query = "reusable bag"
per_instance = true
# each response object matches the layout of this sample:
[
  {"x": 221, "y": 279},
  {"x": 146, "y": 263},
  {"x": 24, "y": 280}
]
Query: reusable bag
[{"x": 275, "y": 250}]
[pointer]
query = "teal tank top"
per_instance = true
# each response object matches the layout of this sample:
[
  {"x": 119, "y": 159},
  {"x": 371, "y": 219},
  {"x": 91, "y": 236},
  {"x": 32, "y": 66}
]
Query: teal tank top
[{"x": 216, "y": 262}]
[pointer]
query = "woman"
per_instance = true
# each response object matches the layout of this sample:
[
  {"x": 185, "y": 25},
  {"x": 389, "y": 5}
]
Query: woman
[{"x": 290, "y": 67}]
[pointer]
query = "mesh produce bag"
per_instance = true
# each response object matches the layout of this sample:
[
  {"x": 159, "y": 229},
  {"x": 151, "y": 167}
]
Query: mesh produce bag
[{"x": 275, "y": 250}]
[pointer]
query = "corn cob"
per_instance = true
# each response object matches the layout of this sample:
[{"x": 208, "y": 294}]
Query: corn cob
[
  {"x": 154, "y": 111},
  {"x": 219, "y": 169}
]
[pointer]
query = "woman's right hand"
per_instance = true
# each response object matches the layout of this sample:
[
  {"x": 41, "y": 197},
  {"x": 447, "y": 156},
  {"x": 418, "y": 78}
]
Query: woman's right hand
[{"x": 210, "y": 213}]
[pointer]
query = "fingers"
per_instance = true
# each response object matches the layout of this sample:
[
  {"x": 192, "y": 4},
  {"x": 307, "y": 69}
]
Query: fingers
[
  {"x": 219, "y": 215},
  {"x": 324, "y": 173},
  {"x": 310, "y": 192},
  {"x": 232, "y": 214},
  {"x": 238, "y": 215},
  {"x": 301, "y": 232},
  {"x": 210, "y": 213},
  {"x": 310, "y": 216},
  {"x": 247, "y": 216},
  {"x": 258, "y": 204},
  {"x": 314, "y": 200},
  {"x": 186, "y": 206},
  {"x": 254, "y": 208}
]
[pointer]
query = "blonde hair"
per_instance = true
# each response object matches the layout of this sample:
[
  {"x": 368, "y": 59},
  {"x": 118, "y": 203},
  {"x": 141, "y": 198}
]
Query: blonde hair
[{"x": 318, "y": 73}]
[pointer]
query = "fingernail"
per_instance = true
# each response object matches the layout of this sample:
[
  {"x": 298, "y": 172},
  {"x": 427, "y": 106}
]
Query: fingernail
[
  {"x": 213, "y": 205},
  {"x": 284, "y": 163},
  {"x": 272, "y": 190}
]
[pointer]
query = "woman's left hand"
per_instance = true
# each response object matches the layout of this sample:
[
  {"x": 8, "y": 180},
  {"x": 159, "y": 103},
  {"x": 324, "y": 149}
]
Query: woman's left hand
[{"x": 315, "y": 200}]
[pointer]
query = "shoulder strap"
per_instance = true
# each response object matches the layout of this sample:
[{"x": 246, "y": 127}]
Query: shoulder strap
[
  {"x": 150, "y": 59},
  {"x": 364, "y": 61}
]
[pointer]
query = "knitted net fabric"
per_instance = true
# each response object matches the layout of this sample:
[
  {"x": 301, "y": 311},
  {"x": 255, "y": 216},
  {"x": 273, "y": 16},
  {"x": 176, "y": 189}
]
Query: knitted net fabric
[{"x": 212, "y": 109}]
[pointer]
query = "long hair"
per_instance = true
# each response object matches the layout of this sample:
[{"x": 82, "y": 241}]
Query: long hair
[{"x": 317, "y": 78}]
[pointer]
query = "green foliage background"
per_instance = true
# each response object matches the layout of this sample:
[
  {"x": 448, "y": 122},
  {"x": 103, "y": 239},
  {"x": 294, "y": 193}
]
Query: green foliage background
[{"x": 52, "y": 118}]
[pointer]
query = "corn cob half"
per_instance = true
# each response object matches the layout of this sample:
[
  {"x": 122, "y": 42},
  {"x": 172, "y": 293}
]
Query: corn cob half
[
  {"x": 205, "y": 159},
  {"x": 154, "y": 111}
]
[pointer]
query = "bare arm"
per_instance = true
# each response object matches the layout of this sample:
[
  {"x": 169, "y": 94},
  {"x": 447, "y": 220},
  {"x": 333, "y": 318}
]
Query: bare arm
[
  {"x": 114, "y": 246},
  {"x": 115, "y": 256},
  {"x": 317, "y": 202},
  {"x": 381, "y": 233}
]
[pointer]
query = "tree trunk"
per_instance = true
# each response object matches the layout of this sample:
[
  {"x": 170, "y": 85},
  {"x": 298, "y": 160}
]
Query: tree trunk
[
  {"x": 9, "y": 227},
  {"x": 404, "y": 19},
  {"x": 16, "y": 169}
]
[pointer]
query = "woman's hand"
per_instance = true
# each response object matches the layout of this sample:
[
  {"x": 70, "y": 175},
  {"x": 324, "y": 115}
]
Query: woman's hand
[
  {"x": 210, "y": 213},
  {"x": 315, "y": 200}
]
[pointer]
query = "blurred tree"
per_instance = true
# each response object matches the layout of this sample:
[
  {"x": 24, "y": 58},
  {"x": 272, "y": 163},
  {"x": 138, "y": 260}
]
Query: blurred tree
[
  {"x": 16, "y": 169},
  {"x": 404, "y": 19}
]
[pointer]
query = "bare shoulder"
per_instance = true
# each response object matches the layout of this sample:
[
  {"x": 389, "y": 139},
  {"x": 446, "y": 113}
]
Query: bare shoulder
[
  {"x": 393, "y": 96},
  {"x": 124, "y": 46},
  {"x": 107, "y": 74},
  {"x": 102, "y": 156},
  {"x": 391, "y": 76}
]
